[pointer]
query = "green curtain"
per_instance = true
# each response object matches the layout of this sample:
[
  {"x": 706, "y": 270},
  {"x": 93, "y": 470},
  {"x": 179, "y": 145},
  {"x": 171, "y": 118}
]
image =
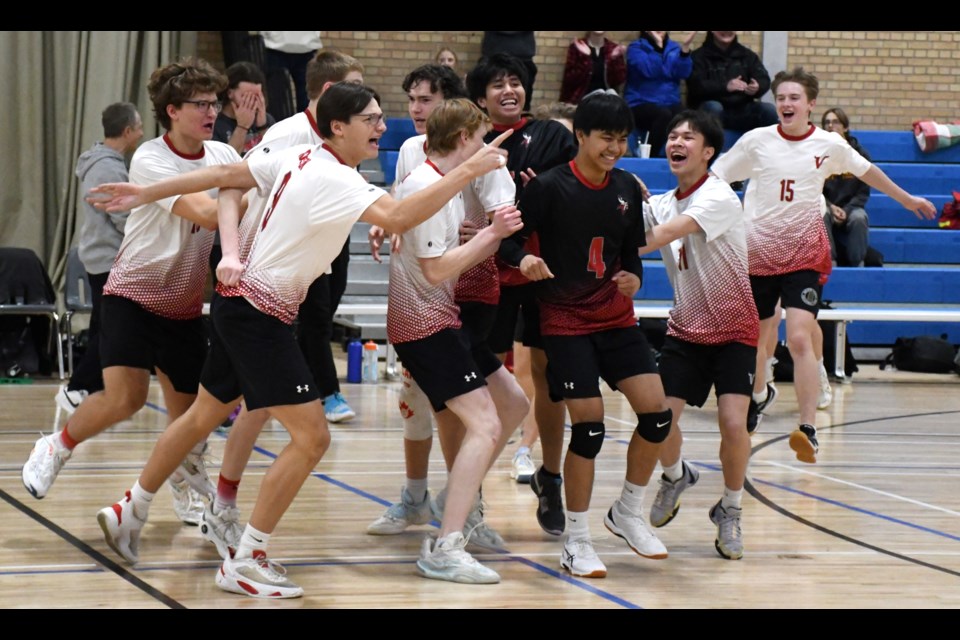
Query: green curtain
[{"x": 55, "y": 86}]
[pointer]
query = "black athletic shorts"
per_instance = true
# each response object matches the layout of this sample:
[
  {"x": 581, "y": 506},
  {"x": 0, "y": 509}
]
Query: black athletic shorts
[{"x": 689, "y": 370}]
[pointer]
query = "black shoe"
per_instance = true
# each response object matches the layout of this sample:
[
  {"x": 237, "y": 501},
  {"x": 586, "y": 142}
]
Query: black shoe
[
  {"x": 550, "y": 513},
  {"x": 804, "y": 442},
  {"x": 755, "y": 412}
]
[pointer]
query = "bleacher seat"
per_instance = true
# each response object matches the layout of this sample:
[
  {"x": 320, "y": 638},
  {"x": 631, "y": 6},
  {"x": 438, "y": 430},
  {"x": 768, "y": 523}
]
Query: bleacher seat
[
  {"x": 398, "y": 130},
  {"x": 901, "y": 146}
]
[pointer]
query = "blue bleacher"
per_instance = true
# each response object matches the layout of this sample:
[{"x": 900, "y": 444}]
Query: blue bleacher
[
  {"x": 921, "y": 260},
  {"x": 901, "y": 146},
  {"x": 398, "y": 130}
]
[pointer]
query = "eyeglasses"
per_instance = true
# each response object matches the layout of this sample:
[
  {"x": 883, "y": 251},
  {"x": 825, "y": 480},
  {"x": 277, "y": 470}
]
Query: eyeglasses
[
  {"x": 203, "y": 105},
  {"x": 372, "y": 119}
]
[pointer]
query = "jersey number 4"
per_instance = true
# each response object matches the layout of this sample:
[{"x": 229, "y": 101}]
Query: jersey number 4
[{"x": 595, "y": 262}]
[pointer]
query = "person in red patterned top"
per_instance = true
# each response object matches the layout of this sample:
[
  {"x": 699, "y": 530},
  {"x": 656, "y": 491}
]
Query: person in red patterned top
[
  {"x": 787, "y": 164},
  {"x": 474, "y": 398},
  {"x": 712, "y": 331},
  {"x": 153, "y": 299},
  {"x": 589, "y": 216}
]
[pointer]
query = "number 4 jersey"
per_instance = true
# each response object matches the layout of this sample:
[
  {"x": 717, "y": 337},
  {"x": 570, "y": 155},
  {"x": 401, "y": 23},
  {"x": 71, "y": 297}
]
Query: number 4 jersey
[
  {"x": 588, "y": 232},
  {"x": 783, "y": 201}
]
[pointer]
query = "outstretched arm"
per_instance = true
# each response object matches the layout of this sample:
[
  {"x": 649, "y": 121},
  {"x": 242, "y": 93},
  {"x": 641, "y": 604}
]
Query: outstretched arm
[
  {"x": 664, "y": 234},
  {"x": 123, "y": 196},
  {"x": 921, "y": 207},
  {"x": 398, "y": 217}
]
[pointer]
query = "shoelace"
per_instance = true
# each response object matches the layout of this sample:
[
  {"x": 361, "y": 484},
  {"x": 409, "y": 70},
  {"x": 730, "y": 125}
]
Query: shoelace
[
  {"x": 273, "y": 570},
  {"x": 57, "y": 458}
]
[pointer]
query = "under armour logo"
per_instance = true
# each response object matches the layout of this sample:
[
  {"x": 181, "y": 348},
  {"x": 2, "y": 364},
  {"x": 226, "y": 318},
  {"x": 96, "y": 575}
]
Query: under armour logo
[
  {"x": 623, "y": 206},
  {"x": 568, "y": 385},
  {"x": 470, "y": 376},
  {"x": 302, "y": 389},
  {"x": 750, "y": 376},
  {"x": 820, "y": 160},
  {"x": 527, "y": 139}
]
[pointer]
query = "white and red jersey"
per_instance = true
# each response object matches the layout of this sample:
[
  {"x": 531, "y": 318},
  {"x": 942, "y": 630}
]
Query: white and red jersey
[
  {"x": 417, "y": 309},
  {"x": 713, "y": 301},
  {"x": 162, "y": 261},
  {"x": 783, "y": 197},
  {"x": 310, "y": 210},
  {"x": 300, "y": 128},
  {"x": 480, "y": 283}
]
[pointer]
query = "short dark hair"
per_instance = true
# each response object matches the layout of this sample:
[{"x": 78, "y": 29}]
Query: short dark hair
[
  {"x": 603, "y": 112},
  {"x": 179, "y": 81},
  {"x": 243, "y": 71},
  {"x": 341, "y": 101},
  {"x": 706, "y": 124},
  {"x": 808, "y": 81},
  {"x": 441, "y": 78},
  {"x": 493, "y": 68},
  {"x": 117, "y": 117}
]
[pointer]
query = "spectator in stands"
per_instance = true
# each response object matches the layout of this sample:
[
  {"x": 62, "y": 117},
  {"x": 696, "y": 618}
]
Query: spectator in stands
[
  {"x": 100, "y": 236},
  {"x": 593, "y": 62},
  {"x": 446, "y": 57},
  {"x": 846, "y": 219},
  {"x": 244, "y": 117},
  {"x": 292, "y": 50},
  {"x": 519, "y": 44},
  {"x": 655, "y": 66},
  {"x": 728, "y": 80}
]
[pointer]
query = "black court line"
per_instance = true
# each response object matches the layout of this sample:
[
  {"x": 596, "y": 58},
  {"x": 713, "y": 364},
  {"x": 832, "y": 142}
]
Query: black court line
[
  {"x": 95, "y": 555},
  {"x": 753, "y": 491}
]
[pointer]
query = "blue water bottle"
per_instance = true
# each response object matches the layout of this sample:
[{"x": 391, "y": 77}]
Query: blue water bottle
[{"x": 354, "y": 361}]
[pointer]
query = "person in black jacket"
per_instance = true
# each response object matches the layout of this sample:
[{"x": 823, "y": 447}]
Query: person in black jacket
[
  {"x": 728, "y": 80},
  {"x": 846, "y": 219}
]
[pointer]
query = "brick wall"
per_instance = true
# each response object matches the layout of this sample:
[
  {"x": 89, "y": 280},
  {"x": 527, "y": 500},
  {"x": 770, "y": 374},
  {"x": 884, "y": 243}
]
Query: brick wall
[{"x": 883, "y": 79}]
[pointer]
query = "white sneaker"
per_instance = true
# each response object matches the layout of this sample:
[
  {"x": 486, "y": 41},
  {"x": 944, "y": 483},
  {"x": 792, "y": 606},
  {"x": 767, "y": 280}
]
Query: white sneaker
[
  {"x": 635, "y": 531},
  {"x": 401, "y": 515},
  {"x": 121, "y": 528},
  {"x": 523, "y": 466},
  {"x": 193, "y": 469},
  {"x": 579, "y": 558},
  {"x": 448, "y": 559},
  {"x": 826, "y": 391},
  {"x": 45, "y": 461},
  {"x": 256, "y": 577},
  {"x": 70, "y": 400},
  {"x": 771, "y": 363},
  {"x": 222, "y": 529},
  {"x": 475, "y": 529},
  {"x": 187, "y": 503}
]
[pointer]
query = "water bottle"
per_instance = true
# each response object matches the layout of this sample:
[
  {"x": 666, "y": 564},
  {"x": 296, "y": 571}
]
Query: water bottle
[
  {"x": 354, "y": 360},
  {"x": 371, "y": 362}
]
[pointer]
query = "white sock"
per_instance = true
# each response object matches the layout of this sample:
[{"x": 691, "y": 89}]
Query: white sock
[
  {"x": 141, "y": 499},
  {"x": 760, "y": 397},
  {"x": 578, "y": 527},
  {"x": 675, "y": 471},
  {"x": 731, "y": 498},
  {"x": 417, "y": 488},
  {"x": 631, "y": 498},
  {"x": 251, "y": 540}
]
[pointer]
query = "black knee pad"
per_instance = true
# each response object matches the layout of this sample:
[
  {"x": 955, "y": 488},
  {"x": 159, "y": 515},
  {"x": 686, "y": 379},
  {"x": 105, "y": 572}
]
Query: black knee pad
[
  {"x": 654, "y": 427},
  {"x": 586, "y": 439}
]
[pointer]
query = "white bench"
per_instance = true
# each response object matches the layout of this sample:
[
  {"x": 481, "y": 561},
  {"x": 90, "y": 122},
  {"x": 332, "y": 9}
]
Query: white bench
[{"x": 843, "y": 316}]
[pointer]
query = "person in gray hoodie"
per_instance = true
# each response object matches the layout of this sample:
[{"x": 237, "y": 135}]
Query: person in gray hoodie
[{"x": 100, "y": 235}]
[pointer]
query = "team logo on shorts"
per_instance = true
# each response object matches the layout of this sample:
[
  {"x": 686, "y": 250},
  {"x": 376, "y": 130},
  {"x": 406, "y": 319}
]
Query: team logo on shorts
[{"x": 810, "y": 297}]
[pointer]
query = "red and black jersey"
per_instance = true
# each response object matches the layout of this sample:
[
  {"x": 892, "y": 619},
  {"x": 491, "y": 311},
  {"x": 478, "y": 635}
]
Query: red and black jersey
[
  {"x": 587, "y": 232},
  {"x": 538, "y": 145}
]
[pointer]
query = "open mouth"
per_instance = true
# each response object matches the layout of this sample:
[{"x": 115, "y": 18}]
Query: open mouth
[{"x": 677, "y": 157}]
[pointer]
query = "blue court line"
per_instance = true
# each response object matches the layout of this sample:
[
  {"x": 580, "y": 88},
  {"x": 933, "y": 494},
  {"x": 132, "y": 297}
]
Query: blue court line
[{"x": 369, "y": 496}]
